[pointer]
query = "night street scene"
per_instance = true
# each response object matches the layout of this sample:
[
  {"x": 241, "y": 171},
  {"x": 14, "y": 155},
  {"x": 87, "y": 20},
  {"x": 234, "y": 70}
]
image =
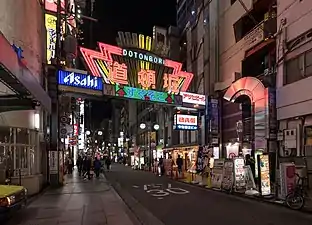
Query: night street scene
[{"x": 167, "y": 112}]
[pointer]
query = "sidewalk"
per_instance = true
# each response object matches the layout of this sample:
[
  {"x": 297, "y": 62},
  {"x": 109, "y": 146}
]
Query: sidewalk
[{"x": 78, "y": 202}]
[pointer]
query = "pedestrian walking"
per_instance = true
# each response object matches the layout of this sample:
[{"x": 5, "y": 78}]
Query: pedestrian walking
[
  {"x": 179, "y": 163},
  {"x": 97, "y": 167},
  {"x": 79, "y": 164},
  {"x": 108, "y": 163}
]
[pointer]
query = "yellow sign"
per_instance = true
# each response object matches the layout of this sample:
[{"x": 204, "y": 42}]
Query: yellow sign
[{"x": 50, "y": 23}]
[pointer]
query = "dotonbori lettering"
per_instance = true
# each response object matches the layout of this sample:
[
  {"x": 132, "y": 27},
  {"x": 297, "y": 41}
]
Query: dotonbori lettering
[{"x": 143, "y": 56}]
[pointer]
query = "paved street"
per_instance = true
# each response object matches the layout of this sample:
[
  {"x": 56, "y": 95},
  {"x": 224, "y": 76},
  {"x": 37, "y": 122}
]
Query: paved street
[
  {"x": 185, "y": 204},
  {"x": 79, "y": 202}
]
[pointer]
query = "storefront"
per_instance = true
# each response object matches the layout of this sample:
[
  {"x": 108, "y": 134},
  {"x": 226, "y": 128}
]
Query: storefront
[
  {"x": 253, "y": 128},
  {"x": 24, "y": 107},
  {"x": 187, "y": 153}
]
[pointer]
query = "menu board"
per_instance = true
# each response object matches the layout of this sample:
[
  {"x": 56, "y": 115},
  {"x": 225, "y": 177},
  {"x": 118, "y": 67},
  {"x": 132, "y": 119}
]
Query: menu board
[
  {"x": 239, "y": 173},
  {"x": 217, "y": 173},
  {"x": 228, "y": 175},
  {"x": 265, "y": 175}
]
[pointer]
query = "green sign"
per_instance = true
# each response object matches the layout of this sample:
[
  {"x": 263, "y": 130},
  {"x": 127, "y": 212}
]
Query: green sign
[{"x": 147, "y": 95}]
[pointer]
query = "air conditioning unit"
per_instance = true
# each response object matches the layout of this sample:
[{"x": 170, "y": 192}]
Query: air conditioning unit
[{"x": 290, "y": 137}]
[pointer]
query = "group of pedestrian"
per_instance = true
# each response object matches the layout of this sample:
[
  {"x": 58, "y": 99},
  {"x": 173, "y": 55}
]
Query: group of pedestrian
[{"x": 86, "y": 164}]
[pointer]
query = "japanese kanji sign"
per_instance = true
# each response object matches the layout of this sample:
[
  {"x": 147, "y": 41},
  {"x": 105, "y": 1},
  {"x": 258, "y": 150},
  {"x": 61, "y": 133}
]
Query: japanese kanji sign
[{"x": 108, "y": 63}]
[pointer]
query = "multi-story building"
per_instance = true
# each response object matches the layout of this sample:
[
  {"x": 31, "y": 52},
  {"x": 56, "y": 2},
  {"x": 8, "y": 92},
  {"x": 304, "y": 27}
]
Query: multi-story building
[
  {"x": 25, "y": 103},
  {"x": 185, "y": 8},
  {"x": 294, "y": 98}
]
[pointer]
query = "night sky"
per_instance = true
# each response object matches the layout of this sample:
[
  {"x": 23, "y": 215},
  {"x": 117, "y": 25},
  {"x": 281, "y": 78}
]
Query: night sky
[{"x": 137, "y": 16}]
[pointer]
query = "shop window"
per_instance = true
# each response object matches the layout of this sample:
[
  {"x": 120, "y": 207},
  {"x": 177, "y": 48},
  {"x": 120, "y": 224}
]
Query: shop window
[
  {"x": 19, "y": 155},
  {"x": 6, "y": 135},
  {"x": 298, "y": 68}
]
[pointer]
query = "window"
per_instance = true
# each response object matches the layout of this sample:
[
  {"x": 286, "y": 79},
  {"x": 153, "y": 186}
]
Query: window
[
  {"x": 18, "y": 151},
  {"x": 298, "y": 68}
]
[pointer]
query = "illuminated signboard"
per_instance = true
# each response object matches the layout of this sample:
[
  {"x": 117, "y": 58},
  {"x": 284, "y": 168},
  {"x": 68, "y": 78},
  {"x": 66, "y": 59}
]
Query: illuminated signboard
[
  {"x": 147, "y": 95},
  {"x": 185, "y": 122},
  {"x": 143, "y": 56},
  {"x": 79, "y": 80},
  {"x": 50, "y": 24},
  {"x": 192, "y": 98},
  {"x": 112, "y": 64}
]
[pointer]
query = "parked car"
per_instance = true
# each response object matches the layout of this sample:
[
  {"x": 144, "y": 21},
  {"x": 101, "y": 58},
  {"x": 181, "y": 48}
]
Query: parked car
[{"x": 12, "y": 198}]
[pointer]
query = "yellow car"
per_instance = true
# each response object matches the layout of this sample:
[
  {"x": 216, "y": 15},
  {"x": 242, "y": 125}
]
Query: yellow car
[{"x": 12, "y": 198}]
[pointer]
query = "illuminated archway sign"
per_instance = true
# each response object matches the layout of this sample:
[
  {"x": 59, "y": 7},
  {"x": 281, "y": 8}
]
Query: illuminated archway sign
[
  {"x": 258, "y": 94},
  {"x": 148, "y": 84}
]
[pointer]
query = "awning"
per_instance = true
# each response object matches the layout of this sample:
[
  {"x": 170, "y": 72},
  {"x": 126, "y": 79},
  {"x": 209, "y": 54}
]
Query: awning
[{"x": 18, "y": 77}]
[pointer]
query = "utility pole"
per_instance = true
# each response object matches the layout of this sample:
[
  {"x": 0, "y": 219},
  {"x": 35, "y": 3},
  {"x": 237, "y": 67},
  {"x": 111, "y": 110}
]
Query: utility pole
[{"x": 55, "y": 173}]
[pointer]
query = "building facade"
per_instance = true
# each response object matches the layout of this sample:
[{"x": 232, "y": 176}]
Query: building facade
[
  {"x": 25, "y": 104},
  {"x": 293, "y": 81}
]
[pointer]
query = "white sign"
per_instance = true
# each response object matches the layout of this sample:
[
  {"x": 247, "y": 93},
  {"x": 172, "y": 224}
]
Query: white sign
[
  {"x": 53, "y": 162},
  {"x": 239, "y": 173},
  {"x": 193, "y": 98},
  {"x": 189, "y": 120}
]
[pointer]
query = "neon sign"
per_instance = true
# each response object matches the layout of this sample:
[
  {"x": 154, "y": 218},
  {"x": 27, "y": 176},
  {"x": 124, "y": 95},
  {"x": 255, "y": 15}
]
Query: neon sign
[
  {"x": 102, "y": 64},
  {"x": 143, "y": 56},
  {"x": 147, "y": 95},
  {"x": 79, "y": 80}
]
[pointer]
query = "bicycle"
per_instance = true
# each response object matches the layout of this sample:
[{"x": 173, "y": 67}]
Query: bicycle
[{"x": 296, "y": 199}]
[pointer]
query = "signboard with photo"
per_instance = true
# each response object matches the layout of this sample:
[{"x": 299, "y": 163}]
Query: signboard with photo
[
  {"x": 265, "y": 175},
  {"x": 217, "y": 174},
  {"x": 239, "y": 173},
  {"x": 228, "y": 175}
]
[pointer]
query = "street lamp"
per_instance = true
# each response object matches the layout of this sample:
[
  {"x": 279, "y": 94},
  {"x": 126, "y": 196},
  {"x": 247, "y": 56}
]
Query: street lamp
[
  {"x": 142, "y": 126},
  {"x": 156, "y": 127}
]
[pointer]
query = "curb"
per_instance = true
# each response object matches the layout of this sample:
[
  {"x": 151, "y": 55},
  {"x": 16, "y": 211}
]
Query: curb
[{"x": 243, "y": 196}]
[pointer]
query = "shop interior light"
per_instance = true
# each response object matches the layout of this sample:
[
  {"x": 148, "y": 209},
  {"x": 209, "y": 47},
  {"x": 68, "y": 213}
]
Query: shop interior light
[
  {"x": 88, "y": 132},
  {"x": 37, "y": 120},
  {"x": 100, "y": 133}
]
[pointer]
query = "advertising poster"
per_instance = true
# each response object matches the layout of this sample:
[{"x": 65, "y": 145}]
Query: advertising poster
[
  {"x": 228, "y": 175},
  {"x": 265, "y": 175},
  {"x": 217, "y": 174},
  {"x": 239, "y": 173},
  {"x": 50, "y": 24},
  {"x": 287, "y": 178}
]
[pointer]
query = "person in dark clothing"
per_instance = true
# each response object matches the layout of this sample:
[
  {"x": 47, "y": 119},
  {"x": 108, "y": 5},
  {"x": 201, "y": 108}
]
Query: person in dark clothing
[
  {"x": 97, "y": 167},
  {"x": 79, "y": 164},
  {"x": 251, "y": 162},
  {"x": 179, "y": 164},
  {"x": 162, "y": 166},
  {"x": 87, "y": 166},
  {"x": 108, "y": 163}
]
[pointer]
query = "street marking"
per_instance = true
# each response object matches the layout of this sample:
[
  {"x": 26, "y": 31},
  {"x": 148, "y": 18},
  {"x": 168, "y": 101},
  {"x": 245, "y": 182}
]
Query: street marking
[
  {"x": 169, "y": 185},
  {"x": 160, "y": 198},
  {"x": 177, "y": 191},
  {"x": 145, "y": 188},
  {"x": 135, "y": 186},
  {"x": 158, "y": 193}
]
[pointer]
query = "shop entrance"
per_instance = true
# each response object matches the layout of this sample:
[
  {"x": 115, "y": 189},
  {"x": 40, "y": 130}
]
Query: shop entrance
[{"x": 253, "y": 97}]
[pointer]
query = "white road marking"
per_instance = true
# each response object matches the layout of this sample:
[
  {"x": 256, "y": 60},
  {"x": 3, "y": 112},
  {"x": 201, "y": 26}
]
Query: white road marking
[
  {"x": 135, "y": 186},
  {"x": 160, "y": 198}
]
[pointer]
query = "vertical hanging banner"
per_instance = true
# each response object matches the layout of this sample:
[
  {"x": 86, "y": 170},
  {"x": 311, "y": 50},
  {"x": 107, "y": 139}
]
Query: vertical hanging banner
[{"x": 50, "y": 24}]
